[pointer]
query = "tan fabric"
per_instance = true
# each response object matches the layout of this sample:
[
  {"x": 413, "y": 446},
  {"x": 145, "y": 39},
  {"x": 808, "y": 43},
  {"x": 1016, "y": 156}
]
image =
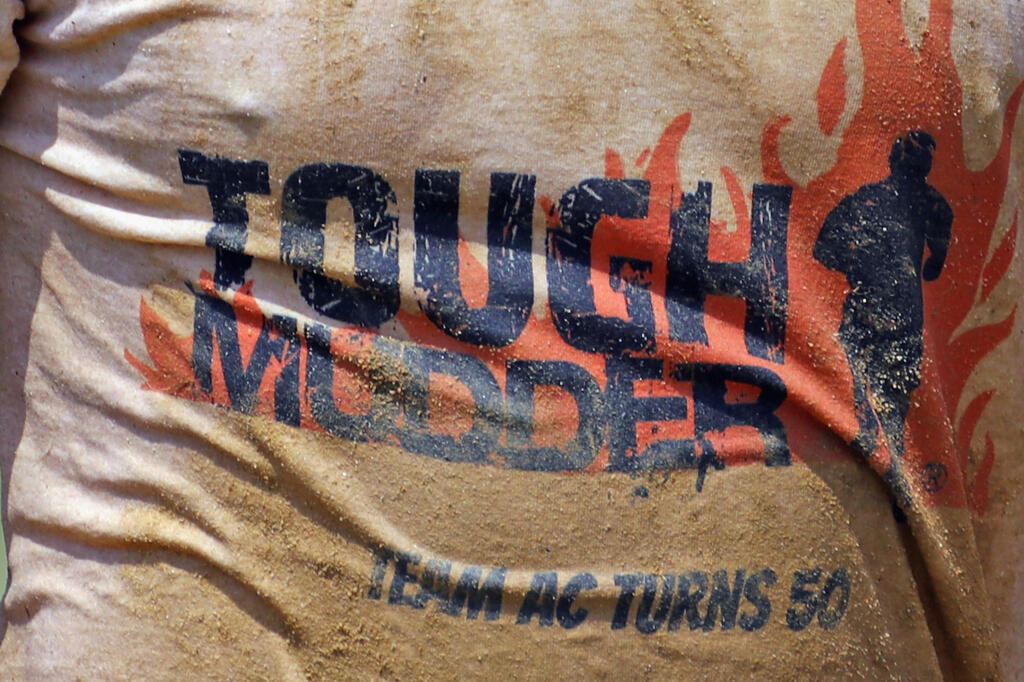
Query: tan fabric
[
  {"x": 176, "y": 509},
  {"x": 10, "y": 11}
]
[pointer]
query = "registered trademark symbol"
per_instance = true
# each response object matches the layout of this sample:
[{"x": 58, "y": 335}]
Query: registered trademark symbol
[{"x": 934, "y": 477}]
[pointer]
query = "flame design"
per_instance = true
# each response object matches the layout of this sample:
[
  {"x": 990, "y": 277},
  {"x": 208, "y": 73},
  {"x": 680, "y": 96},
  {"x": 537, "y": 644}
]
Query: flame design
[
  {"x": 171, "y": 355},
  {"x": 173, "y": 372},
  {"x": 815, "y": 370},
  {"x": 832, "y": 90},
  {"x": 906, "y": 90}
]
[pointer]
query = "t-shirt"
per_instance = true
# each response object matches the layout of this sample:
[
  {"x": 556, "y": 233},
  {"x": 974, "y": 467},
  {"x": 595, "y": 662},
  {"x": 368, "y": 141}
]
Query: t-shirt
[{"x": 512, "y": 339}]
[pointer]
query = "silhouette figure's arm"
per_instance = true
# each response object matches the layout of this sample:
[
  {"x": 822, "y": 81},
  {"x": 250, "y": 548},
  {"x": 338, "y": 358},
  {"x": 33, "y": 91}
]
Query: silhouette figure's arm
[{"x": 937, "y": 236}]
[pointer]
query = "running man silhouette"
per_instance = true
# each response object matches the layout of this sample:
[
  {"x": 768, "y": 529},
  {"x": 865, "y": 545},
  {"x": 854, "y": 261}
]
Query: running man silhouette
[{"x": 876, "y": 237}]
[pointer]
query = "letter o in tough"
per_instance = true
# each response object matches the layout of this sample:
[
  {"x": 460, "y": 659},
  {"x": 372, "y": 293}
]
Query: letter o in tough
[{"x": 375, "y": 297}]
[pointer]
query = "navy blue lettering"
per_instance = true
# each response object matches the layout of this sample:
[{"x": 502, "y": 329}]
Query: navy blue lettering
[
  {"x": 713, "y": 413},
  {"x": 509, "y": 267},
  {"x": 632, "y": 278},
  {"x": 756, "y": 596},
  {"x": 320, "y": 367},
  {"x": 286, "y": 386},
  {"x": 687, "y": 600},
  {"x": 403, "y": 576},
  {"x": 380, "y": 567},
  {"x": 570, "y": 292},
  {"x": 799, "y": 595},
  {"x": 479, "y": 441},
  {"x": 227, "y": 182},
  {"x": 522, "y": 378},
  {"x": 627, "y": 583},
  {"x": 828, "y": 618},
  {"x": 567, "y": 617},
  {"x": 625, "y": 410},
  {"x": 646, "y": 621},
  {"x": 724, "y": 600},
  {"x": 434, "y": 584},
  {"x": 540, "y": 600},
  {"x": 761, "y": 280},
  {"x": 215, "y": 319},
  {"x": 473, "y": 596},
  {"x": 374, "y": 298}
]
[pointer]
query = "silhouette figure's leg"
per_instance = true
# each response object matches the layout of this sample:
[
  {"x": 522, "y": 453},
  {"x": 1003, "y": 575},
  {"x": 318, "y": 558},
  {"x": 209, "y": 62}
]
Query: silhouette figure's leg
[
  {"x": 902, "y": 376},
  {"x": 858, "y": 356},
  {"x": 866, "y": 441},
  {"x": 894, "y": 421},
  {"x": 899, "y": 375}
]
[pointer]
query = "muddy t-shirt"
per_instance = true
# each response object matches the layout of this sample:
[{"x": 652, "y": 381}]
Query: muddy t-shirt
[{"x": 423, "y": 340}]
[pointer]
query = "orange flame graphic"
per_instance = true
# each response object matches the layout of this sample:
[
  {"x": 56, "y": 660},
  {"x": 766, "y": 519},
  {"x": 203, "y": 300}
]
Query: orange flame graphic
[{"x": 889, "y": 108}]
